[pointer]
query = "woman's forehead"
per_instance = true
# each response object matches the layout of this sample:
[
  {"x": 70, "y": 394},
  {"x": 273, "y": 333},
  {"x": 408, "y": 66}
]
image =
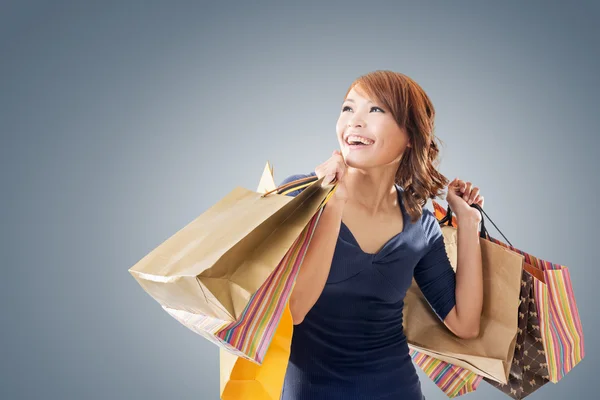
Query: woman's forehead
[{"x": 357, "y": 94}]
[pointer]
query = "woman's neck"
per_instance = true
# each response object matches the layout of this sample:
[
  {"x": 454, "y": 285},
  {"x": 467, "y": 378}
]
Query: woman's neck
[{"x": 372, "y": 190}]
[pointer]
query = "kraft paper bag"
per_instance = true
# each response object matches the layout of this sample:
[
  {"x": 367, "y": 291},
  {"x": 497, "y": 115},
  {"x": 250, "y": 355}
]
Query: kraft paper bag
[
  {"x": 490, "y": 354},
  {"x": 215, "y": 264}
]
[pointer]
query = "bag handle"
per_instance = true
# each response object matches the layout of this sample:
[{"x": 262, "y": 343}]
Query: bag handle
[
  {"x": 483, "y": 231},
  {"x": 293, "y": 185}
]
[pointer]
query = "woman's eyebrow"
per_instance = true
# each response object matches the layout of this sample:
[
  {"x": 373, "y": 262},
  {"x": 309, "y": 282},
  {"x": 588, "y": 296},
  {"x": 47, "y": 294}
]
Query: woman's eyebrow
[{"x": 352, "y": 101}]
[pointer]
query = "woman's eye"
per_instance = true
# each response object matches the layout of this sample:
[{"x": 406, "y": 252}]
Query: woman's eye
[{"x": 347, "y": 108}]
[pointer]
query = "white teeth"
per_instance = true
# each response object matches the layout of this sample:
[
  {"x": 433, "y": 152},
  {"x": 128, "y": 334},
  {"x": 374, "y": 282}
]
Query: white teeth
[{"x": 358, "y": 139}]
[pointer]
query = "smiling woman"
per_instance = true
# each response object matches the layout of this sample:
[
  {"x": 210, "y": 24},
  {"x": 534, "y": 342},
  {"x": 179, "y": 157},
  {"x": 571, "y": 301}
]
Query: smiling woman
[
  {"x": 373, "y": 238},
  {"x": 396, "y": 117}
]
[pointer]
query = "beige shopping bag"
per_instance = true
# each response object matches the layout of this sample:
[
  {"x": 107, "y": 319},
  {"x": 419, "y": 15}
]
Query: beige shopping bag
[
  {"x": 216, "y": 263},
  {"x": 490, "y": 354}
]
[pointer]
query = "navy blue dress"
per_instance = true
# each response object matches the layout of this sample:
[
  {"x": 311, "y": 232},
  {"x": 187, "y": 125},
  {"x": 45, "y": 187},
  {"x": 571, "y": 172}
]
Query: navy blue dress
[{"x": 351, "y": 345}]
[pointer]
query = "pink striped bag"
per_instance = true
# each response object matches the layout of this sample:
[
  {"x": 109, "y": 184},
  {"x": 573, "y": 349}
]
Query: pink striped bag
[{"x": 550, "y": 341}]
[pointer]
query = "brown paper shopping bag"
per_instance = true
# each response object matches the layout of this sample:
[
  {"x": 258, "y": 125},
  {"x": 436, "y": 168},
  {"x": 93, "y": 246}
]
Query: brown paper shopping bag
[
  {"x": 217, "y": 262},
  {"x": 227, "y": 275},
  {"x": 490, "y": 354},
  {"x": 527, "y": 372}
]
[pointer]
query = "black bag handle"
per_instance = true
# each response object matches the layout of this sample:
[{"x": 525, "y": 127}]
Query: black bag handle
[{"x": 483, "y": 231}]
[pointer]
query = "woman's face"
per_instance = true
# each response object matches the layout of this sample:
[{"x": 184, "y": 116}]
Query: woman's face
[{"x": 368, "y": 133}]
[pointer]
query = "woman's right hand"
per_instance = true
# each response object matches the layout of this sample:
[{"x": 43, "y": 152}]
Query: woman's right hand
[{"x": 334, "y": 168}]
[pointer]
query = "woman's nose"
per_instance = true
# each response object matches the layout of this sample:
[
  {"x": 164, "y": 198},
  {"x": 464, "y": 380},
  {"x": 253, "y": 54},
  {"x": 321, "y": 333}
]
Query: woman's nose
[{"x": 355, "y": 122}]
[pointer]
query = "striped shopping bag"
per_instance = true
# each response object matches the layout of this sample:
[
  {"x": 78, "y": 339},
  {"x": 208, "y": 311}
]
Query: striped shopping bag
[
  {"x": 550, "y": 341},
  {"x": 454, "y": 381}
]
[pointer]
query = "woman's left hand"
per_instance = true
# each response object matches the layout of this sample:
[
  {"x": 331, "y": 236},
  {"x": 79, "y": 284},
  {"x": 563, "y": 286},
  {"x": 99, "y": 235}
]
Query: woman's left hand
[{"x": 461, "y": 195}]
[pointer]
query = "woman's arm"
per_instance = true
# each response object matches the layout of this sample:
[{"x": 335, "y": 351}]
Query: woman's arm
[
  {"x": 456, "y": 297},
  {"x": 319, "y": 255},
  {"x": 464, "y": 319},
  {"x": 317, "y": 261}
]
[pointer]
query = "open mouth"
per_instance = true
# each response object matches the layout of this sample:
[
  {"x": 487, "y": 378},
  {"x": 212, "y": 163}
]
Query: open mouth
[{"x": 358, "y": 141}]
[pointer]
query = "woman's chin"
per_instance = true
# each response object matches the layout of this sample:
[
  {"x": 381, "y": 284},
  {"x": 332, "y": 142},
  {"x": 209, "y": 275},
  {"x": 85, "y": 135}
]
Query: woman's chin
[{"x": 359, "y": 161}]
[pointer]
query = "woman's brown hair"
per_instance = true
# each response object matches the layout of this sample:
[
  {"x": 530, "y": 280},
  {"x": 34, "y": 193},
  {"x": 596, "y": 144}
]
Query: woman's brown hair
[{"x": 414, "y": 112}]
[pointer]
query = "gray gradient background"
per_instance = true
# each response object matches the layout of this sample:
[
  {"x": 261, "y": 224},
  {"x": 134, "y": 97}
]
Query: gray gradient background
[{"x": 122, "y": 123}]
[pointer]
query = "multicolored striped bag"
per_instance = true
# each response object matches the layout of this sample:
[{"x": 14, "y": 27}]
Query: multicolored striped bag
[
  {"x": 549, "y": 347},
  {"x": 453, "y": 380}
]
